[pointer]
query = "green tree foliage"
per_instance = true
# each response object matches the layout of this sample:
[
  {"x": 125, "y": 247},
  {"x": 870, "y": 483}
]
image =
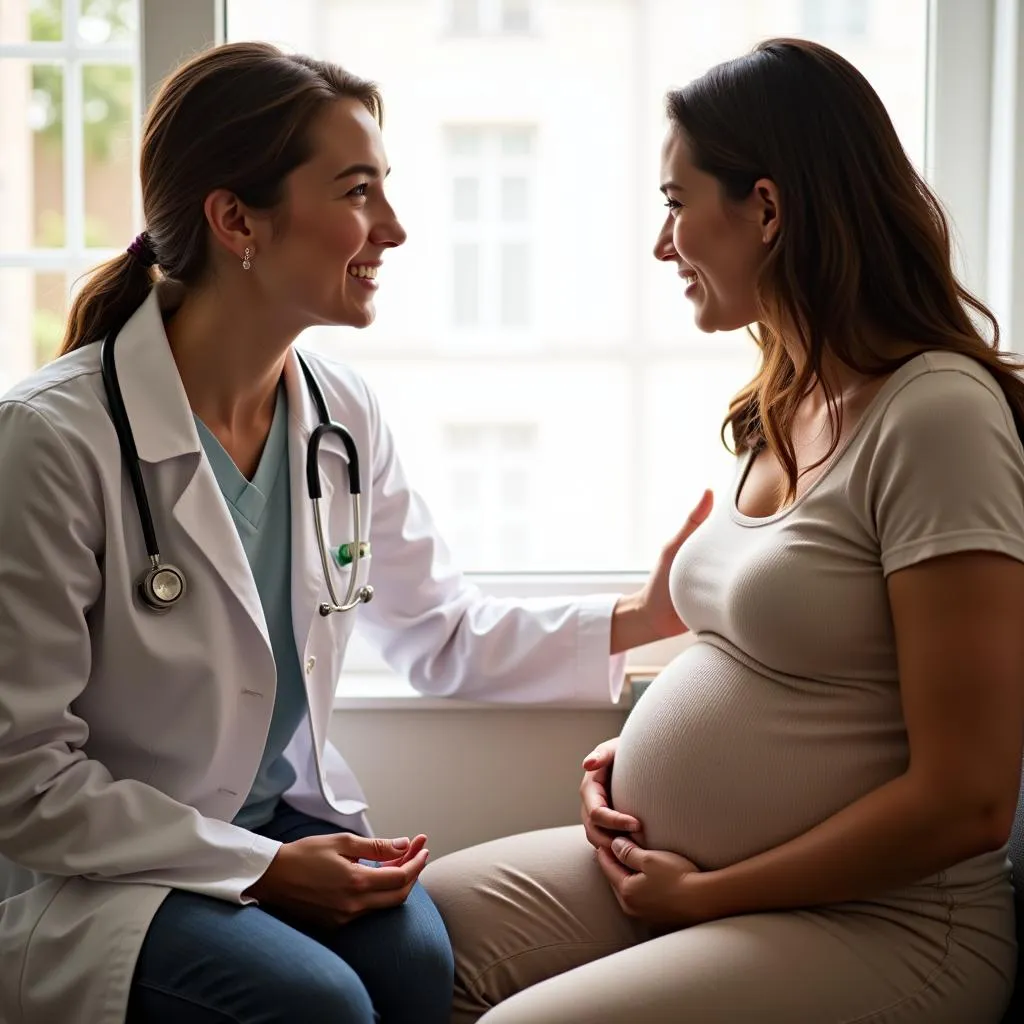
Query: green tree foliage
[{"x": 106, "y": 88}]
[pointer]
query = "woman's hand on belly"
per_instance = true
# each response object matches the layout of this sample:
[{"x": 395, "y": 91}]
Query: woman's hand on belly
[
  {"x": 601, "y": 823},
  {"x": 651, "y": 885}
]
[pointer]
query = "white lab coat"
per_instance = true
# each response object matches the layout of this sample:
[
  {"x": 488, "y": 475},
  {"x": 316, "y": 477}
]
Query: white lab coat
[{"x": 129, "y": 740}]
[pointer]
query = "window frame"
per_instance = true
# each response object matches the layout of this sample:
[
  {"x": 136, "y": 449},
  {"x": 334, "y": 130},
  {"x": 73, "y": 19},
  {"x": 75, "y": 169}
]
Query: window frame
[{"x": 74, "y": 258}]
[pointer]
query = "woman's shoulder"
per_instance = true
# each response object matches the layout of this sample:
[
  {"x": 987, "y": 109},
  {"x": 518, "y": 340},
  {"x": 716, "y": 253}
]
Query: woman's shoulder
[{"x": 938, "y": 386}]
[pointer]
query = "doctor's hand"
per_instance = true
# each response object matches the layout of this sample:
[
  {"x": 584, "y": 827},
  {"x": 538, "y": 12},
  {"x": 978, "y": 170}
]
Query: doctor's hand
[
  {"x": 321, "y": 879},
  {"x": 600, "y": 822}
]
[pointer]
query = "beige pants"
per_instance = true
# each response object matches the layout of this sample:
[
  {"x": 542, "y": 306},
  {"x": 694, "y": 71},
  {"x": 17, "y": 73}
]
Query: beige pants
[{"x": 539, "y": 937}]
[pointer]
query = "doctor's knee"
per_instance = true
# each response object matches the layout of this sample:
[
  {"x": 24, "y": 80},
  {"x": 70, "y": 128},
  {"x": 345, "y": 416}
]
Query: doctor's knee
[{"x": 339, "y": 999}]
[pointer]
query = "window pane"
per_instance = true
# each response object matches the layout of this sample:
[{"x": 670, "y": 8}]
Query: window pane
[
  {"x": 108, "y": 153},
  {"x": 463, "y": 140},
  {"x": 514, "y": 542},
  {"x": 107, "y": 21},
  {"x": 515, "y": 284},
  {"x": 33, "y": 308},
  {"x": 827, "y": 18},
  {"x": 22, "y": 21},
  {"x": 466, "y": 284},
  {"x": 514, "y": 201},
  {"x": 465, "y": 17},
  {"x": 517, "y": 141},
  {"x": 465, "y": 488},
  {"x": 461, "y": 437},
  {"x": 31, "y": 155},
  {"x": 466, "y": 199},
  {"x": 517, "y": 437},
  {"x": 515, "y": 15}
]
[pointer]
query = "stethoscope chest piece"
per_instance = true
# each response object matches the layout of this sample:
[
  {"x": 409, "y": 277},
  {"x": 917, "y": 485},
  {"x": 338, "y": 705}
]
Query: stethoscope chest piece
[{"x": 161, "y": 587}]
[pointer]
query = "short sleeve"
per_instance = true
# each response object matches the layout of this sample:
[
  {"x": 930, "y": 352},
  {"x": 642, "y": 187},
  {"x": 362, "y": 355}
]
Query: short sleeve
[{"x": 947, "y": 474}]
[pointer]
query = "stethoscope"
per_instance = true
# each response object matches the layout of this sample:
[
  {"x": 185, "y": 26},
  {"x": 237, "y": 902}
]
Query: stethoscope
[{"x": 163, "y": 585}]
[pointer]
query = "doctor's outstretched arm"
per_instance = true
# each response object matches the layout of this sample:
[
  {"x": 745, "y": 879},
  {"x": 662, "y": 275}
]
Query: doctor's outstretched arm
[{"x": 448, "y": 639}]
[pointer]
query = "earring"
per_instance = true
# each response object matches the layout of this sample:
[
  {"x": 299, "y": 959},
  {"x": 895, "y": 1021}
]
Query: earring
[{"x": 246, "y": 264}]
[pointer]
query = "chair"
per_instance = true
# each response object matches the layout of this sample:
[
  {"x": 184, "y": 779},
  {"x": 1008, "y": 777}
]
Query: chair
[{"x": 1015, "y": 1014}]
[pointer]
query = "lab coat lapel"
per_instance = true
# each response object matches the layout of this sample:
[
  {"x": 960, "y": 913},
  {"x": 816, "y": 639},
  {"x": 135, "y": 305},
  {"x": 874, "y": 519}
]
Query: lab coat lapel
[
  {"x": 167, "y": 441},
  {"x": 308, "y": 586}
]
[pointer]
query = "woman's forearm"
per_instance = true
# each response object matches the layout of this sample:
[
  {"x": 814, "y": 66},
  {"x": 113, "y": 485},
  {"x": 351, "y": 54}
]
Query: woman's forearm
[{"x": 894, "y": 836}]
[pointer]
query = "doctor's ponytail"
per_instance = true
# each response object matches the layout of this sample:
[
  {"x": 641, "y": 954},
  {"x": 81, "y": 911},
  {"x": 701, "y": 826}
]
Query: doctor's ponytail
[
  {"x": 114, "y": 291},
  {"x": 234, "y": 117}
]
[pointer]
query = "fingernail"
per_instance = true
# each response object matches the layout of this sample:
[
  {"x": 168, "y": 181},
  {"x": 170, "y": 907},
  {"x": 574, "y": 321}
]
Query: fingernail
[{"x": 400, "y": 844}]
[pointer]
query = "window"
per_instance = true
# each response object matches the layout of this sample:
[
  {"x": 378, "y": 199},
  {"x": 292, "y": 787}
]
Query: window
[
  {"x": 490, "y": 17},
  {"x": 491, "y": 506},
  {"x": 623, "y": 394},
  {"x": 69, "y": 121},
  {"x": 527, "y": 178},
  {"x": 492, "y": 171},
  {"x": 831, "y": 18}
]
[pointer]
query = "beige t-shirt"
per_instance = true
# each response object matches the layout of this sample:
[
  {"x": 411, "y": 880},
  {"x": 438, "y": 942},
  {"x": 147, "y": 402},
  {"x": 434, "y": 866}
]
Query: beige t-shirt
[{"x": 787, "y": 706}]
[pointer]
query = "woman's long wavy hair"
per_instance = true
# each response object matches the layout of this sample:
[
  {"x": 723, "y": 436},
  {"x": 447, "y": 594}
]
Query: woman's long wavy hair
[
  {"x": 236, "y": 117},
  {"x": 863, "y": 251}
]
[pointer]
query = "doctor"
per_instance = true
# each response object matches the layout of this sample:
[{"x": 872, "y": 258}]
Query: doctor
[{"x": 179, "y": 840}]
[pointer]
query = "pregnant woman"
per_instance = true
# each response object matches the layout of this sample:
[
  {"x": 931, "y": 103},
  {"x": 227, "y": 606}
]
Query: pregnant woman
[{"x": 811, "y": 804}]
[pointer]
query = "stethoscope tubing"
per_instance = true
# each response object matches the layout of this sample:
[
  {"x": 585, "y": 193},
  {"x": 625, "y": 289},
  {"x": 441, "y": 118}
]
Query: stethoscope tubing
[{"x": 162, "y": 585}]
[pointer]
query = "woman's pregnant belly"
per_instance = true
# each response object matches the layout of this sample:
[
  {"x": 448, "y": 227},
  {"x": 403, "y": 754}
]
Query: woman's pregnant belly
[{"x": 720, "y": 762}]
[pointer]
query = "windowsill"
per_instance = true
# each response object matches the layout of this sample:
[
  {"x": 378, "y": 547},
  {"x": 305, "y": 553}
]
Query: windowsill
[{"x": 384, "y": 691}]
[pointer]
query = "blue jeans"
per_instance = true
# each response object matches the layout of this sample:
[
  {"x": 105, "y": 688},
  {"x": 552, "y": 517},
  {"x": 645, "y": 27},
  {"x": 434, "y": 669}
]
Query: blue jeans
[{"x": 206, "y": 961}]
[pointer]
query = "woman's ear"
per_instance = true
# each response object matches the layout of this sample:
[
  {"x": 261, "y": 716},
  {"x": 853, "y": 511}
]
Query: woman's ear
[{"x": 766, "y": 198}]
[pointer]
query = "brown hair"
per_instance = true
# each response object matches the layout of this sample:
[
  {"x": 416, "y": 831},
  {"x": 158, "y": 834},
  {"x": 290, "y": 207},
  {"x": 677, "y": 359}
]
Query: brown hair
[
  {"x": 863, "y": 249},
  {"x": 235, "y": 117}
]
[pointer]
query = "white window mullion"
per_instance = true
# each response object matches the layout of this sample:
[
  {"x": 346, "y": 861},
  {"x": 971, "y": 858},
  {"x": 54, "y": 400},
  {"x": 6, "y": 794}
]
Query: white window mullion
[
  {"x": 54, "y": 260},
  {"x": 490, "y": 16},
  {"x": 139, "y": 106},
  {"x": 74, "y": 161},
  {"x": 74, "y": 141},
  {"x": 1005, "y": 278},
  {"x": 110, "y": 53},
  {"x": 958, "y": 130},
  {"x": 492, "y": 230}
]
